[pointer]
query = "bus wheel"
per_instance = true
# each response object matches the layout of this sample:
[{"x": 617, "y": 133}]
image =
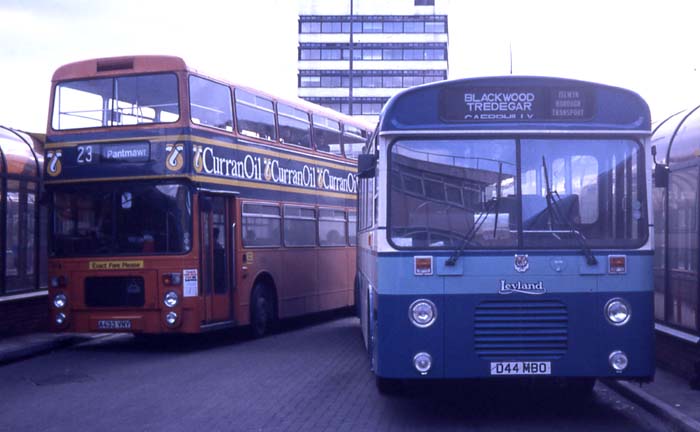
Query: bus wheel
[
  {"x": 261, "y": 311},
  {"x": 389, "y": 386},
  {"x": 356, "y": 297}
]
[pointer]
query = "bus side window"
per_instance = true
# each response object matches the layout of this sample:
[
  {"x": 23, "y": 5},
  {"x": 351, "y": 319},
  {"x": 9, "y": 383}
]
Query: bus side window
[
  {"x": 294, "y": 125},
  {"x": 353, "y": 141},
  {"x": 331, "y": 227},
  {"x": 255, "y": 115},
  {"x": 352, "y": 228},
  {"x": 210, "y": 104},
  {"x": 261, "y": 225},
  {"x": 299, "y": 226},
  {"x": 327, "y": 135}
]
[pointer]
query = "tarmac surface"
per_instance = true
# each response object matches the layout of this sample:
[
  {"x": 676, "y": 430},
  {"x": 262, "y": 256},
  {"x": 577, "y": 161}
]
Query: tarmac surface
[{"x": 668, "y": 397}]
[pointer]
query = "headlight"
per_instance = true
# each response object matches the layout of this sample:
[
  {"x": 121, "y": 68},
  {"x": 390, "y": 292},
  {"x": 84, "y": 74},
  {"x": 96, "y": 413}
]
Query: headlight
[
  {"x": 60, "y": 318},
  {"x": 171, "y": 298},
  {"x": 618, "y": 360},
  {"x": 171, "y": 318},
  {"x": 422, "y": 313},
  {"x": 617, "y": 311},
  {"x": 423, "y": 362},
  {"x": 60, "y": 300}
]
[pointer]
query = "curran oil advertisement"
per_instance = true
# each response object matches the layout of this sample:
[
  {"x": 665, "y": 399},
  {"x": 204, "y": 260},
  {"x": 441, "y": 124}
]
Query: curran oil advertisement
[{"x": 295, "y": 171}]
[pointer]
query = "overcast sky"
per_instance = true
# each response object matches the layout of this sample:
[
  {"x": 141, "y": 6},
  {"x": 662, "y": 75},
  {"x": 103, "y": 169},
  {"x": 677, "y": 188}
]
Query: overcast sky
[{"x": 646, "y": 46}]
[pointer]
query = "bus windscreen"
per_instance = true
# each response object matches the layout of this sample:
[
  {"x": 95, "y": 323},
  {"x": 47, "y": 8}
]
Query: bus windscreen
[
  {"x": 442, "y": 190},
  {"x": 124, "y": 220},
  {"x": 121, "y": 101}
]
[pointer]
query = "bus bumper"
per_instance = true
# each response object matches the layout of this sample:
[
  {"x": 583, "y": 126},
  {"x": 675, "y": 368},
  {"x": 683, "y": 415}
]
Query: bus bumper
[{"x": 130, "y": 321}]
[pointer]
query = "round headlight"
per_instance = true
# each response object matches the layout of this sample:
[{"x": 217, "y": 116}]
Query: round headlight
[
  {"x": 422, "y": 313},
  {"x": 60, "y": 300},
  {"x": 60, "y": 318},
  {"x": 618, "y": 360},
  {"x": 171, "y": 318},
  {"x": 171, "y": 298},
  {"x": 423, "y": 362},
  {"x": 617, "y": 311}
]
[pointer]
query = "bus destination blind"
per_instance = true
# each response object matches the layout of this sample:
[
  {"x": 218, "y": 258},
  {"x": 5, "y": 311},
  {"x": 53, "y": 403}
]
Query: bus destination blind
[{"x": 517, "y": 104}]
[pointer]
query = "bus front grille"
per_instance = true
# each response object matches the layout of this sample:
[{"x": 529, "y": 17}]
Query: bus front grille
[
  {"x": 114, "y": 291},
  {"x": 520, "y": 330}
]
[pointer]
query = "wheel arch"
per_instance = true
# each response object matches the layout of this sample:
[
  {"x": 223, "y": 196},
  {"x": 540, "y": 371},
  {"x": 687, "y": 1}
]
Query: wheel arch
[{"x": 266, "y": 279}]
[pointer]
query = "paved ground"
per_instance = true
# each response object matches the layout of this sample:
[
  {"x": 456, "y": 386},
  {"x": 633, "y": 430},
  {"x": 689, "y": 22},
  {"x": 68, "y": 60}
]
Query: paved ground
[{"x": 311, "y": 376}]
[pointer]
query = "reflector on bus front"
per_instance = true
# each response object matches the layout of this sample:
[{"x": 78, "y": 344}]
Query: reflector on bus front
[
  {"x": 617, "y": 264},
  {"x": 423, "y": 265}
]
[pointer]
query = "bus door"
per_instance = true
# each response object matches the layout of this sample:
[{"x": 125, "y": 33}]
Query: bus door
[{"x": 216, "y": 224}]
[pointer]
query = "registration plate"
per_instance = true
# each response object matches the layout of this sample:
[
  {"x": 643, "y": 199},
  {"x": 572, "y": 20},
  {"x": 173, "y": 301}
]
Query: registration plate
[
  {"x": 521, "y": 368},
  {"x": 114, "y": 324}
]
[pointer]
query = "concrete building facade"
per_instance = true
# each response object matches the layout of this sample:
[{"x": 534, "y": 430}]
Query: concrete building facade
[{"x": 354, "y": 55}]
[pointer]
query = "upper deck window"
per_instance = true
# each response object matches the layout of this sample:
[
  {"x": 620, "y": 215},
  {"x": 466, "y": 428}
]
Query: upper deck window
[
  {"x": 255, "y": 115},
  {"x": 327, "y": 135},
  {"x": 119, "y": 101},
  {"x": 210, "y": 104},
  {"x": 353, "y": 141},
  {"x": 294, "y": 125}
]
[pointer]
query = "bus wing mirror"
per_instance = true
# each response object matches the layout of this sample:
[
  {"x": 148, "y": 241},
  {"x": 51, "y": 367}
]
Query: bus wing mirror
[
  {"x": 661, "y": 175},
  {"x": 366, "y": 165}
]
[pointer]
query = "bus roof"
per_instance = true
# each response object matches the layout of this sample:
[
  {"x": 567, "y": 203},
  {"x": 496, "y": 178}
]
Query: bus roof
[
  {"x": 112, "y": 65},
  {"x": 525, "y": 103}
]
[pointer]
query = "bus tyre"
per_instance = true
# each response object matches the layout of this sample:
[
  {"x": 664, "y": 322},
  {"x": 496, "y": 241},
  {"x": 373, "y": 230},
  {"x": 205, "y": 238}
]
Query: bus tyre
[
  {"x": 261, "y": 311},
  {"x": 356, "y": 298},
  {"x": 389, "y": 386}
]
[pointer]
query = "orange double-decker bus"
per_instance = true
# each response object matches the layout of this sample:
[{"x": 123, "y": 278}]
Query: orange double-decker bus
[{"x": 182, "y": 203}]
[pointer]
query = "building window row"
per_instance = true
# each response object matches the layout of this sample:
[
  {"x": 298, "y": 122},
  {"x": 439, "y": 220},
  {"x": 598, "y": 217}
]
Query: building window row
[
  {"x": 371, "y": 81},
  {"x": 364, "y": 24},
  {"x": 360, "y": 106},
  {"x": 375, "y": 18},
  {"x": 373, "y": 54}
]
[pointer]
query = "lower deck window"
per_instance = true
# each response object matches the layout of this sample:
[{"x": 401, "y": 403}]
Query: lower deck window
[
  {"x": 299, "y": 226},
  {"x": 261, "y": 225}
]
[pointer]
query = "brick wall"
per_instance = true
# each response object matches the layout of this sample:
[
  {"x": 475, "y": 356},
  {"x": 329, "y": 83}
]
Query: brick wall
[{"x": 24, "y": 316}]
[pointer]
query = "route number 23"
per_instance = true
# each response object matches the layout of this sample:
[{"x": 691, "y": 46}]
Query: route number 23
[{"x": 84, "y": 154}]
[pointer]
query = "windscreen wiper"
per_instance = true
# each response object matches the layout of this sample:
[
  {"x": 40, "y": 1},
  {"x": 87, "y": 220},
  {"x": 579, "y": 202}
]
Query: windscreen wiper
[
  {"x": 553, "y": 199},
  {"x": 488, "y": 206},
  {"x": 469, "y": 236}
]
